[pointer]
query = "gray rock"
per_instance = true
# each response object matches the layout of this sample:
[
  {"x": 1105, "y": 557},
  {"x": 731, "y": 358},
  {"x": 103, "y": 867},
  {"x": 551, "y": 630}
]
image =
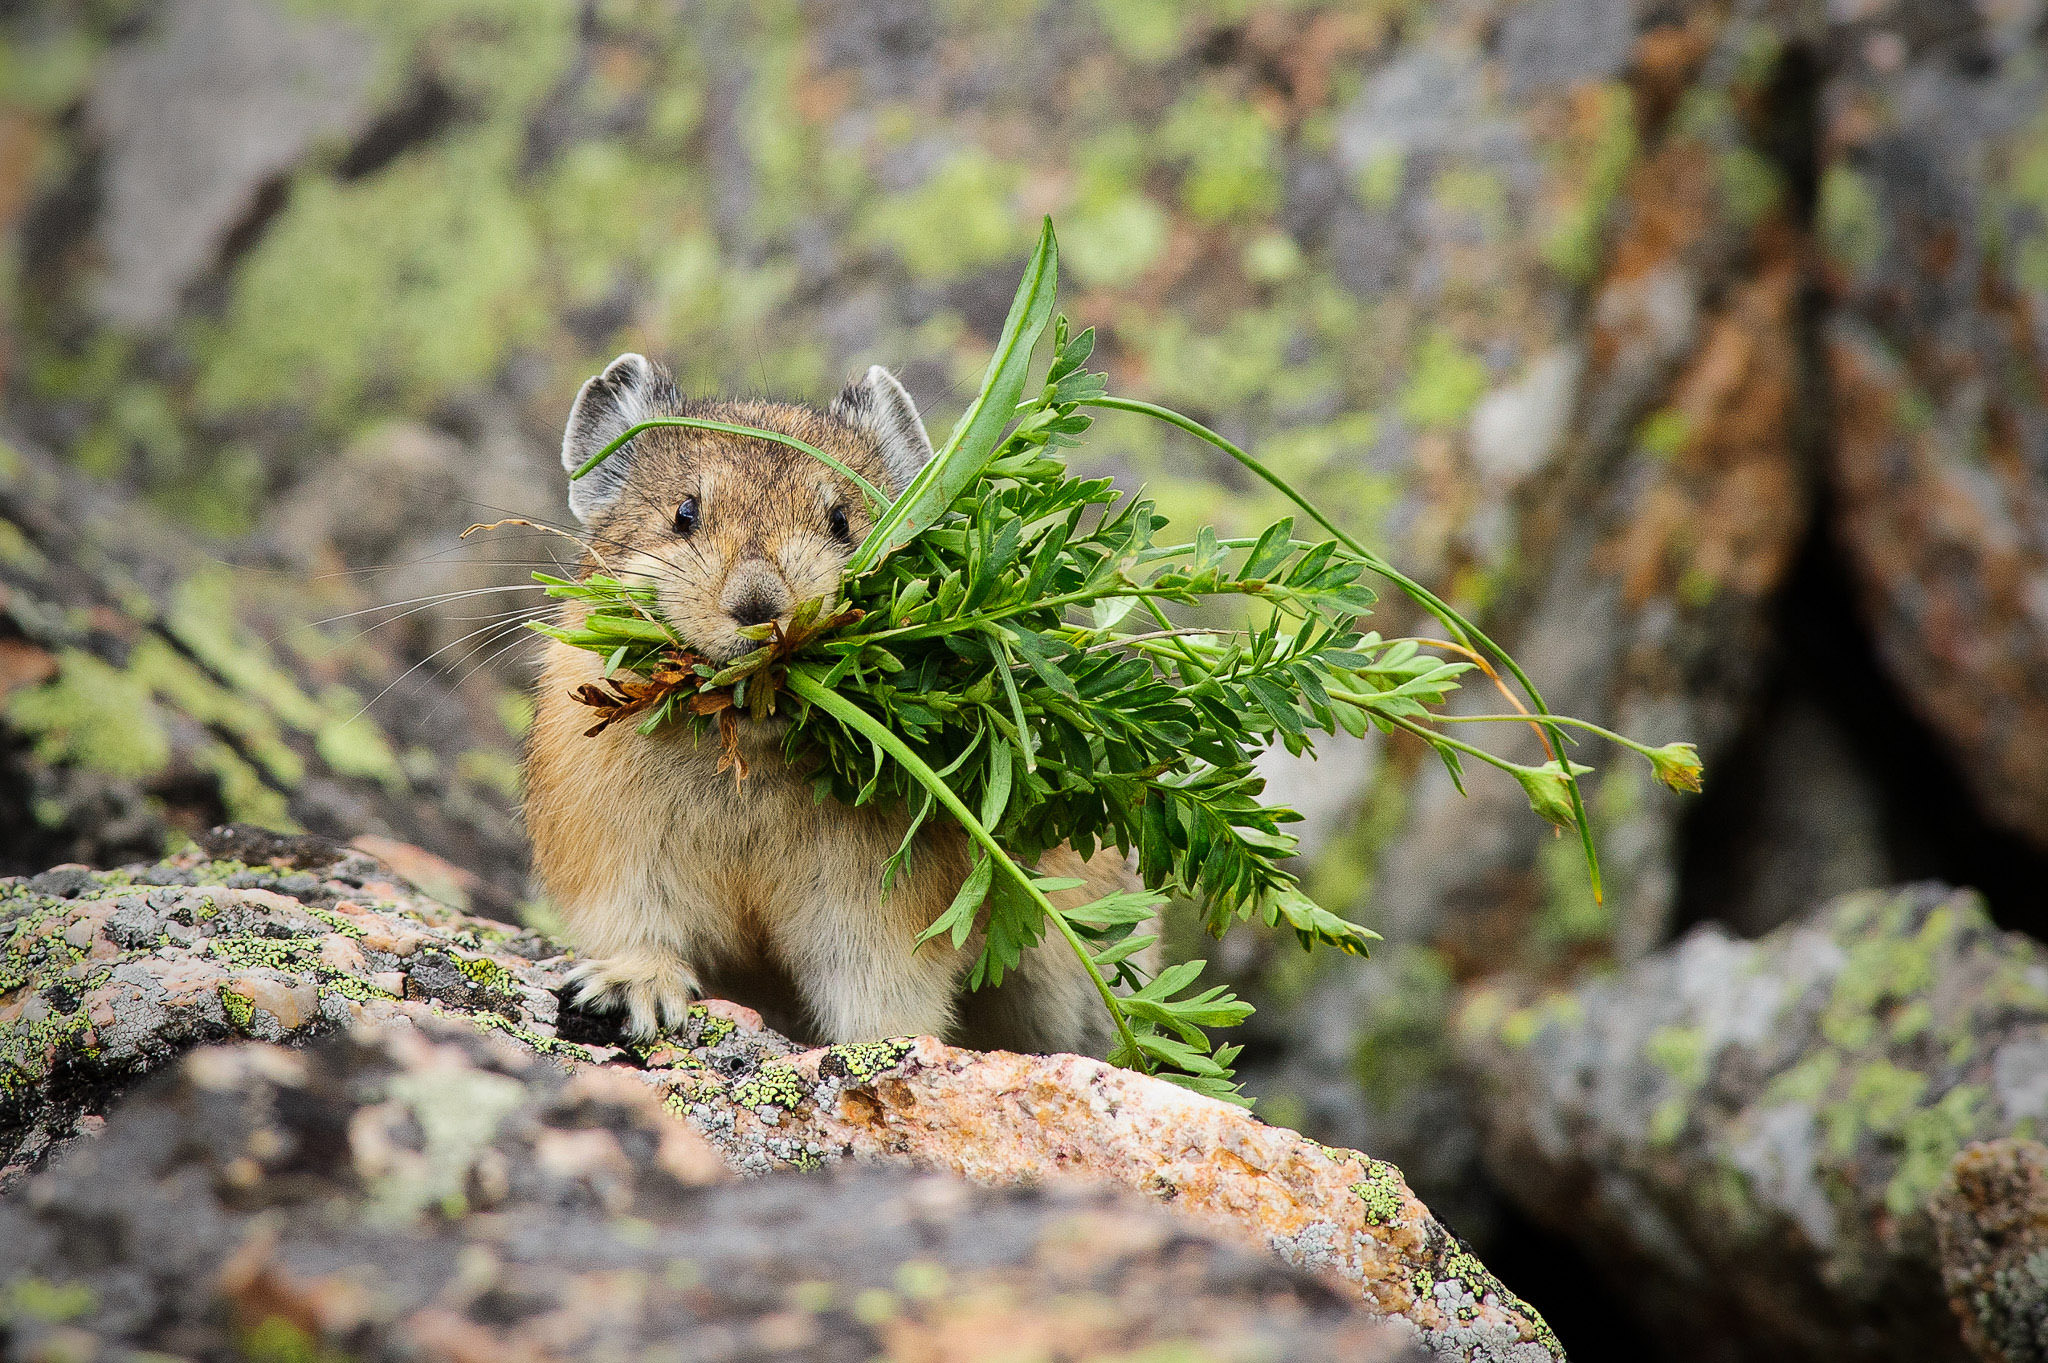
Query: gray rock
[
  {"x": 196, "y": 115},
  {"x": 277, "y": 1204},
  {"x": 1754, "y": 1136}
]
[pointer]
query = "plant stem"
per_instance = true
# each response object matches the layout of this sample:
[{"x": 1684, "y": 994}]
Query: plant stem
[
  {"x": 1436, "y": 606},
  {"x": 851, "y": 715},
  {"x": 1429, "y": 735},
  {"x": 939, "y": 627},
  {"x": 1594, "y": 729}
]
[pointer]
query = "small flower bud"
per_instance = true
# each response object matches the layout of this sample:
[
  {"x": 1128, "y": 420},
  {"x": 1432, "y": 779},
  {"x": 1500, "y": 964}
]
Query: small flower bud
[{"x": 1677, "y": 765}]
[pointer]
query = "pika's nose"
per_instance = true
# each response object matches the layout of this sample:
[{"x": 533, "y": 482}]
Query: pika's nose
[{"x": 754, "y": 595}]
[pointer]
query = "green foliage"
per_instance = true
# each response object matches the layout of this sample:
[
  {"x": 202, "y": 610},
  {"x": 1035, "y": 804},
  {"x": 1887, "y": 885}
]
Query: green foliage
[{"x": 1004, "y": 651}]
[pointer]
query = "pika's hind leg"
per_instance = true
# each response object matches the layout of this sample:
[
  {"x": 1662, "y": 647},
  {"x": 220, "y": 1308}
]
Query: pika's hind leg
[{"x": 856, "y": 966}]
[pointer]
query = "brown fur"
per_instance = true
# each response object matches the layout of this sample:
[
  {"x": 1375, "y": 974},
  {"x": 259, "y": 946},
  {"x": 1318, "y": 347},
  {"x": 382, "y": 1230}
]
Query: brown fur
[{"x": 677, "y": 881}]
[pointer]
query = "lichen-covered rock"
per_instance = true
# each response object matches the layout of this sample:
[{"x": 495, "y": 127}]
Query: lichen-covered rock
[
  {"x": 1755, "y": 1134},
  {"x": 1992, "y": 1217},
  {"x": 434, "y": 1193},
  {"x": 106, "y": 976},
  {"x": 148, "y": 692},
  {"x": 1933, "y": 222}
]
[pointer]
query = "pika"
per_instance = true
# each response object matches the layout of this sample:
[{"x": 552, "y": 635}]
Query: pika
[{"x": 675, "y": 879}]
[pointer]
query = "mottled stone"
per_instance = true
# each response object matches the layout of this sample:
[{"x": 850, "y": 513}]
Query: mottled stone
[
  {"x": 1933, "y": 217},
  {"x": 1992, "y": 1219},
  {"x": 429, "y": 1192},
  {"x": 220, "y": 98},
  {"x": 1755, "y": 1136},
  {"x": 82, "y": 1016}
]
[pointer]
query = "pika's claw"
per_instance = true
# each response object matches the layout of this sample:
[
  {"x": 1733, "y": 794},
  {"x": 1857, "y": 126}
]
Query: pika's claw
[{"x": 655, "y": 993}]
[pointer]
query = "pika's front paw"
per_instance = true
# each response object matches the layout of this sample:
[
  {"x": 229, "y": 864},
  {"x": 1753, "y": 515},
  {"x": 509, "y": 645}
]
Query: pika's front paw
[{"x": 655, "y": 993}]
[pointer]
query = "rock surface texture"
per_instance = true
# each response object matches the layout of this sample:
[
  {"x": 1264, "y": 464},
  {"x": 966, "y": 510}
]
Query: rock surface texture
[
  {"x": 148, "y": 693},
  {"x": 440, "y": 1194},
  {"x": 1993, "y": 1223},
  {"x": 105, "y": 977},
  {"x": 1695, "y": 347},
  {"x": 1762, "y": 1139}
]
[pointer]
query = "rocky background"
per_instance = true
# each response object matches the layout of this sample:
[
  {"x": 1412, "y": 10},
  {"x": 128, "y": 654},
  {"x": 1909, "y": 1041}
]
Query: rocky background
[{"x": 1695, "y": 346}]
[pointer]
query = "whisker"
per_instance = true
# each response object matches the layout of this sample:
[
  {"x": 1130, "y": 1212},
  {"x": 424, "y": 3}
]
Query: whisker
[
  {"x": 501, "y": 650},
  {"x": 416, "y": 604},
  {"x": 400, "y": 678}
]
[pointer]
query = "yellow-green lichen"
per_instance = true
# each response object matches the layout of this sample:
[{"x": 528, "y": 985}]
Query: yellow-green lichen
[
  {"x": 1807, "y": 1082},
  {"x": 959, "y": 220},
  {"x": 1520, "y": 1027},
  {"x": 40, "y": 1300},
  {"x": 1599, "y": 154},
  {"x": 487, "y": 974},
  {"x": 28, "y": 1047},
  {"x": 863, "y": 1060},
  {"x": 1459, "y": 1265},
  {"x": 93, "y": 715},
  {"x": 711, "y": 1029},
  {"x": 1381, "y": 1191},
  {"x": 1665, "y": 433},
  {"x": 352, "y": 988},
  {"x": 1667, "y": 1122},
  {"x": 1114, "y": 241},
  {"x": 277, "y": 1340},
  {"x": 35, "y": 943},
  {"x": 1680, "y": 1052},
  {"x": 1379, "y": 181},
  {"x": 350, "y": 743},
  {"x": 340, "y": 922},
  {"x": 1444, "y": 385},
  {"x": 1142, "y": 30},
  {"x": 240, "y": 1008},
  {"x": 1232, "y": 156},
  {"x": 1851, "y": 223},
  {"x": 1750, "y": 184},
  {"x": 1931, "y": 1136},
  {"x": 17, "y": 552},
  {"x": 1887, "y": 961},
  {"x": 265, "y": 953},
  {"x": 775, "y": 1084},
  {"x": 413, "y": 281},
  {"x": 540, "y": 1042}
]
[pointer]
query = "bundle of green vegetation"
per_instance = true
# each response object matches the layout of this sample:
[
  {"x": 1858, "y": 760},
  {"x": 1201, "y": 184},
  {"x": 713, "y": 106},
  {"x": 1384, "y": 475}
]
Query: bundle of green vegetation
[{"x": 1004, "y": 653}]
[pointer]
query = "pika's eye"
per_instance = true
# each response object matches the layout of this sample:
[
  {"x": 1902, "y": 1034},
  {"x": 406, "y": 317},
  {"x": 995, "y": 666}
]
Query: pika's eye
[
  {"x": 686, "y": 516},
  {"x": 838, "y": 523}
]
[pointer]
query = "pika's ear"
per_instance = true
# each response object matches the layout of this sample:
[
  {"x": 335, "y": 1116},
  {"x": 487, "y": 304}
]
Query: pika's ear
[
  {"x": 606, "y": 408},
  {"x": 878, "y": 403}
]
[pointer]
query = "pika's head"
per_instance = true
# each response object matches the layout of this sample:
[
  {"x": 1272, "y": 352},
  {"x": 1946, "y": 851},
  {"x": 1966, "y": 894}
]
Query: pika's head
[{"x": 732, "y": 530}]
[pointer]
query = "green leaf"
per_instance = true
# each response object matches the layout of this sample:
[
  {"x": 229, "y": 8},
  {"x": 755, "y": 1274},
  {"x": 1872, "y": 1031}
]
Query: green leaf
[
  {"x": 995, "y": 795},
  {"x": 1124, "y": 950},
  {"x": 1271, "y": 551},
  {"x": 1041, "y": 653},
  {"x": 973, "y": 441},
  {"x": 1313, "y": 923},
  {"x": 958, "y": 919},
  {"x": 1275, "y": 701},
  {"x": 1117, "y": 909}
]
